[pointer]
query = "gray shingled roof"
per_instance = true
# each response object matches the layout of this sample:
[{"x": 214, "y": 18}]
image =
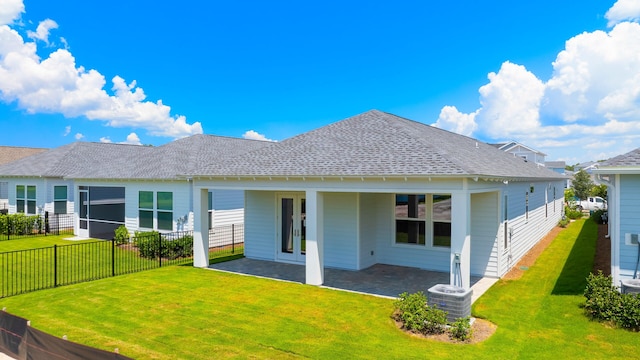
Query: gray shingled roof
[
  {"x": 86, "y": 160},
  {"x": 12, "y": 153},
  {"x": 630, "y": 159},
  {"x": 378, "y": 144}
]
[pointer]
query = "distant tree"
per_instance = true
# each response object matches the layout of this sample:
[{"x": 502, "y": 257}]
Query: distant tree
[
  {"x": 582, "y": 184},
  {"x": 570, "y": 167},
  {"x": 569, "y": 195},
  {"x": 599, "y": 190}
]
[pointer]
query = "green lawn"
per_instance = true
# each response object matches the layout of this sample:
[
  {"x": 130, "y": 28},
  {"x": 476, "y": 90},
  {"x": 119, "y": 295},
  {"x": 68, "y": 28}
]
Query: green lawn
[
  {"x": 188, "y": 313},
  {"x": 37, "y": 242}
]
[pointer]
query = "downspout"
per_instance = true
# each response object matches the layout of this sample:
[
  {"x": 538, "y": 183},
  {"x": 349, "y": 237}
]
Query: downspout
[{"x": 612, "y": 227}]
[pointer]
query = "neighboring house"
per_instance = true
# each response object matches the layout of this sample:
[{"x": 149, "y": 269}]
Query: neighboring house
[
  {"x": 108, "y": 185},
  {"x": 378, "y": 188},
  {"x": 560, "y": 168},
  {"x": 588, "y": 166},
  {"x": 7, "y": 155},
  {"x": 523, "y": 151},
  {"x": 622, "y": 176}
]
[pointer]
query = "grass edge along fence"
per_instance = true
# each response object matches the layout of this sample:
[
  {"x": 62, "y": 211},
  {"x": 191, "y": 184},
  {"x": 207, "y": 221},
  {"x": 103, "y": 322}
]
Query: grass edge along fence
[{"x": 23, "y": 271}]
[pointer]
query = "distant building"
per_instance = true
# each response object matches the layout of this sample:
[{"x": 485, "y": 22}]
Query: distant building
[
  {"x": 523, "y": 151},
  {"x": 9, "y": 154},
  {"x": 560, "y": 168}
]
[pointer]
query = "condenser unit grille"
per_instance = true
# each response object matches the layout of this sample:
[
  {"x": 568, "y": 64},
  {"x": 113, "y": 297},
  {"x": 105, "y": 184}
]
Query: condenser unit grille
[{"x": 456, "y": 301}]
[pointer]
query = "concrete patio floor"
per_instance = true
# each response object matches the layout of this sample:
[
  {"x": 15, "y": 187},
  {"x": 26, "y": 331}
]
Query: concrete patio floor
[{"x": 379, "y": 279}]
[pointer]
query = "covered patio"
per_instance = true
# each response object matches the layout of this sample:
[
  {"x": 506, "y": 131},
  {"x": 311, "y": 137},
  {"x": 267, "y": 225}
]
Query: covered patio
[{"x": 378, "y": 280}]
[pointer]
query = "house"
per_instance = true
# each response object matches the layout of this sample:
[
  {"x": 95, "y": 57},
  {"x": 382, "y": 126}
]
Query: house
[
  {"x": 7, "y": 155},
  {"x": 378, "y": 188},
  {"x": 523, "y": 151},
  {"x": 560, "y": 168},
  {"x": 108, "y": 185},
  {"x": 622, "y": 176}
]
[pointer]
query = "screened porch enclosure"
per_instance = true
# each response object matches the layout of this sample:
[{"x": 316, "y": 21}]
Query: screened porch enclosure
[{"x": 101, "y": 211}]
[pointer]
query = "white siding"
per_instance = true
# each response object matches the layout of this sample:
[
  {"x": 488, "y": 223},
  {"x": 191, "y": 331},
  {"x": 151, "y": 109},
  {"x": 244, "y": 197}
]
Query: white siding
[
  {"x": 629, "y": 223},
  {"x": 4, "y": 195},
  {"x": 181, "y": 201},
  {"x": 260, "y": 225},
  {"x": 484, "y": 231},
  {"x": 40, "y": 192},
  {"x": 228, "y": 199},
  {"x": 341, "y": 230},
  {"x": 49, "y": 205},
  {"x": 228, "y": 207},
  {"x": 374, "y": 227},
  {"x": 528, "y": 226}
]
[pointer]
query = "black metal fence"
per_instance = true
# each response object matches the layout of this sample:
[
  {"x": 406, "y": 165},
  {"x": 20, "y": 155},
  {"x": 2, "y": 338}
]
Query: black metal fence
[
  {"x": 226, "y": 239},
  {"x": 14, "y": 226},
  {"x": 23, "y": 271}
]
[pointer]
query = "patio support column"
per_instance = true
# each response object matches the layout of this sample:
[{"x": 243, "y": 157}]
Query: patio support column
[
  {"x": 200, "y": 228},
  {"x": 461, "y": 238},
  {"x": 314, "y": 238}
]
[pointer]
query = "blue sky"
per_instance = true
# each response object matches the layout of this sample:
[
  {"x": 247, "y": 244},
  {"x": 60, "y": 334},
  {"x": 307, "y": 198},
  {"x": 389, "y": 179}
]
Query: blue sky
[{"x": 559, "y": 76}]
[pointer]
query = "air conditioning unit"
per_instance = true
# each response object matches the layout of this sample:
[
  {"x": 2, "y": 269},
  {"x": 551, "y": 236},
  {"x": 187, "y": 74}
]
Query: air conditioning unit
[
  {"x": 455, "y": 300},
  {"x": 630, "y": 286}
]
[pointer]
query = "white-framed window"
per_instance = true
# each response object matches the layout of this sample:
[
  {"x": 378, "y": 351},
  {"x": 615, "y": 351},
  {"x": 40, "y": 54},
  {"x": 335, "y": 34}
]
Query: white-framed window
[
  {"x": 159, "y": 204},
  {"x": 441, "y": 211},
  {"x": 423, "y": 219},
  {"x": 165, "y": 210},
  {"x": 60, "y": 199},
  {"x": 26, "y": 199}
]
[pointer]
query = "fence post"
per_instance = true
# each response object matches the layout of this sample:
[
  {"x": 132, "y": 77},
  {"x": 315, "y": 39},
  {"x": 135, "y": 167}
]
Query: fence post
[
  {"x": 113, "y": 257},
  {"x": 55, "y": 265},
  {"x": 159, "y": 249},
  {"x": 46, "y": 223},
  {"x": 233, "y": 239}
]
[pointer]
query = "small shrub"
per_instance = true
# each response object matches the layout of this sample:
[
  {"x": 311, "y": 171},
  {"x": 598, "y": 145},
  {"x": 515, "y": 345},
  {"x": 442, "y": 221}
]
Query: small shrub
[
  {"x": 414, "y": 313},
  {"x": 602, "y": 297},
  {"x": 563, "y": 222},
  {"x": 410, "y": 309},
  {"x": 628, "y": 316},
  {"x": 605, "y": 303},
  {"x": 20, "y": 224},
  {"x": 178, "y": 248},
  {"x": 572, "y": 213},
  {"x": 435, "y": 320},
  {"x": 599, "y": 216},
  {"x": 147, "y": 244},
  {"x": 121, "y": 235},
  {"x": 152, "y": 245},
  {"x": 461, "y": 329}
]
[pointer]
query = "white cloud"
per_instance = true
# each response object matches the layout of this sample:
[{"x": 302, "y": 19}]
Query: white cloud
[
  {"x": 623, "y": 10},
  {"x": 67, "y": 130},
  {"x": 453, "y": 120},
  {"x": 57, "y": 84},
  {"x": 510, "y": 102},
  {"x": 10, "y": 10},
  {"x": 79, "y": 136},
  {"x": 132, "y": 139},
  {"x": 588, "y": 110},
  {"x": 253, "y": 135},
  {"x": 106, "y": 140},
  {"x": 42, "y": 32}
]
